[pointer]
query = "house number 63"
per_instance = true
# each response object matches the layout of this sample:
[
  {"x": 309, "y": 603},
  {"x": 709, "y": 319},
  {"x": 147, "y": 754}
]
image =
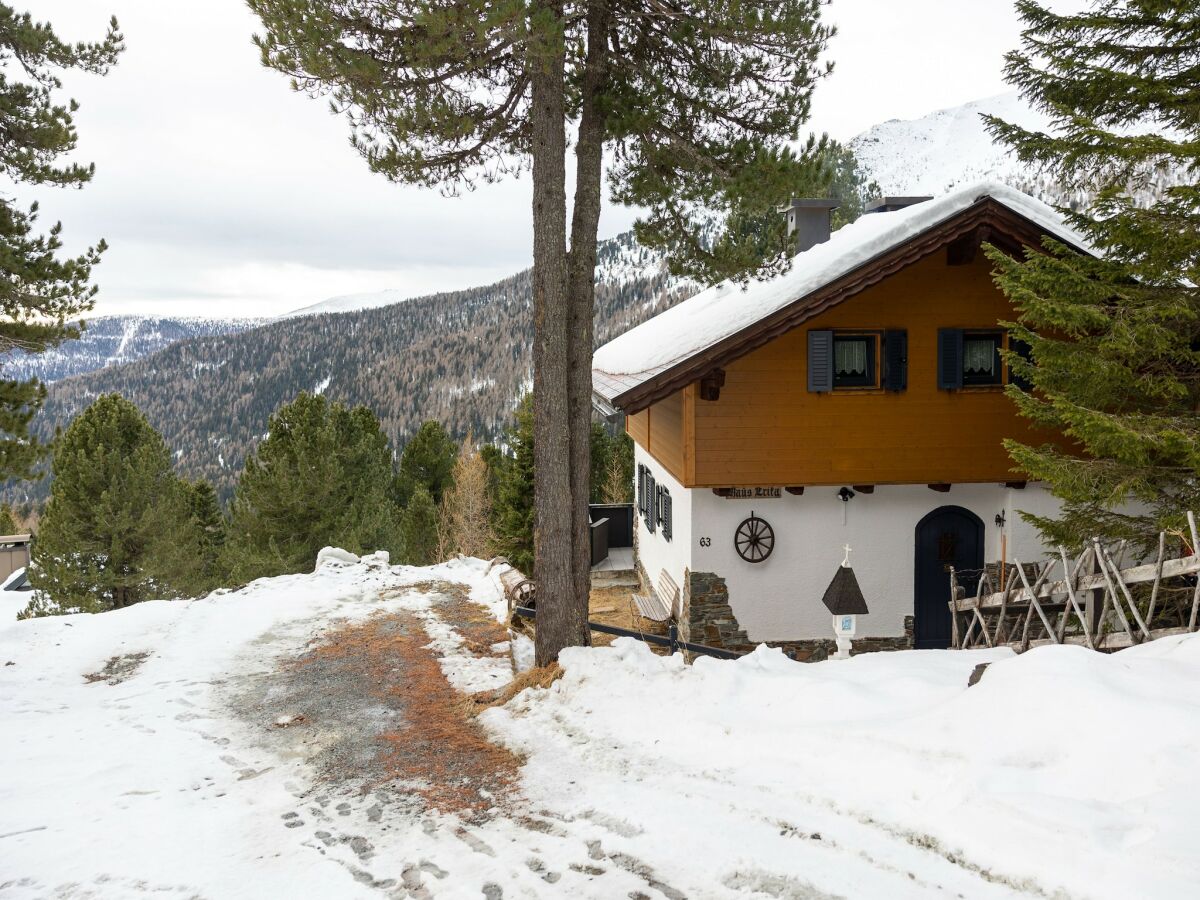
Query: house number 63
[{"x": 705, "y": 542}]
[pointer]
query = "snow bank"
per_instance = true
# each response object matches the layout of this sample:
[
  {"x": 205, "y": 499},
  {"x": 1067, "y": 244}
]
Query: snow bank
[
  {"x": 1062, "y": 770},
  {"x": 141, "y": 779}
]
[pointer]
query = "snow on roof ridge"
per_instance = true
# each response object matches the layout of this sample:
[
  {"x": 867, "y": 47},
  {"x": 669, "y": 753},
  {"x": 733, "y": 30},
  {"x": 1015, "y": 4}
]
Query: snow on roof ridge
[{"x": 714, "y": 314}]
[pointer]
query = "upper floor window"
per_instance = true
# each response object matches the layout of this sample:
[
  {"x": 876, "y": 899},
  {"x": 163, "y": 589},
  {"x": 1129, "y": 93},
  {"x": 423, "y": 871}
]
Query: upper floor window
[
  {"x": 981, "y": 358},
  {"x": 854, "y": 360},
  {"x": 970, "y": 358},
  {"x": 839, "y": 360}
]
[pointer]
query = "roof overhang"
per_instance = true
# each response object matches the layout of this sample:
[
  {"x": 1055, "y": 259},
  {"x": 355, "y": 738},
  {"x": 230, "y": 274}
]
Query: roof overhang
[{"x": 987, "y": 219}]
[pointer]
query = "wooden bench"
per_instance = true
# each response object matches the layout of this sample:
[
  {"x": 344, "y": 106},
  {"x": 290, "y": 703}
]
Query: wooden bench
[{"x": 662, "y": 601}]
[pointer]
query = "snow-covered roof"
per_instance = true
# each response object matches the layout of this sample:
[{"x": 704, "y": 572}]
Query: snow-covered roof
[{"x": 680, "y": 333}]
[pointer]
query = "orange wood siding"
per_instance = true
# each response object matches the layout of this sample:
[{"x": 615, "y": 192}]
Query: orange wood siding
[
  {"x": 638, "y": 426},
  {"x": 666, "y": 434},
  {"x": 767, "y": 429}
]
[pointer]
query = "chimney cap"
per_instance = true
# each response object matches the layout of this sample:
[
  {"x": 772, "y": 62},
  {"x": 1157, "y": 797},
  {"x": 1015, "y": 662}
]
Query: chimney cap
[
  {"x": 891, "y": 204},
  {"x": 812, "y": 203}
]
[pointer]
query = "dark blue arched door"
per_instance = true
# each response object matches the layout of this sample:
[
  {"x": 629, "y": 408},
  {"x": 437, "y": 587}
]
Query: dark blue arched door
[{"x": 949, "y": 537}]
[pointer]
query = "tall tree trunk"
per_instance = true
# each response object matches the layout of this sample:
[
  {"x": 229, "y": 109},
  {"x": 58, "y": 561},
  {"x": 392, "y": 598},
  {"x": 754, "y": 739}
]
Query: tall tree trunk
[
  {"x": 585, "y": 221},
  {"x": 552, "y": 567}
]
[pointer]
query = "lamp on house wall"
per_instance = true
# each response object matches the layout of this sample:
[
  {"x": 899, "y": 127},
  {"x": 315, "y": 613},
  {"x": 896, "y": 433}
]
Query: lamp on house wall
[
  {"x": 844, "y": 599},
  {"x": 845, "y": 495}
]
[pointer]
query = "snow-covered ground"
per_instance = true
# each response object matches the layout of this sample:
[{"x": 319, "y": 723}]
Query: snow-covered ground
[{"x": 1062, "y": 773}]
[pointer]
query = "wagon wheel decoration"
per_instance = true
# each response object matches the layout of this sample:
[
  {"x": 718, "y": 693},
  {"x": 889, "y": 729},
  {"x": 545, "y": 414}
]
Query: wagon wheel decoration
[{"x": 754, "y": 539}]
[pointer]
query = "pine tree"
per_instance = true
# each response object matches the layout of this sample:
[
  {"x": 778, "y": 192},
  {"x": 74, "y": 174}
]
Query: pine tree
[
  {"x": 8, "y": 522},
  {"x": 190, "y": 561},
  {"x": 428, "y": 460},
  {"x": 697, "y": 101},
  {"x": 1114, "y": 338},
  {"x": 40, "y": 290},
  {"x": 116, "y": 508},
  {"x": 752, "y": 241},
  {"x": 322, "y": 477},
  {"x": 419, "y": 527}
]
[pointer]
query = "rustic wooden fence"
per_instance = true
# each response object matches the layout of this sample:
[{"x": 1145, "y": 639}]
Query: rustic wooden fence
[{"x": 1089, "y": 600}]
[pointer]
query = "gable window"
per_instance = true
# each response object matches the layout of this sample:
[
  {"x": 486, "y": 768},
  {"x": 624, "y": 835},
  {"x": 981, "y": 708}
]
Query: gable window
[
  {"x": 981, "y": 358},
  {"x": 969, "y": 358},
  {"x": 850, "y": 359},
  {"x": 853, "y": 360}
]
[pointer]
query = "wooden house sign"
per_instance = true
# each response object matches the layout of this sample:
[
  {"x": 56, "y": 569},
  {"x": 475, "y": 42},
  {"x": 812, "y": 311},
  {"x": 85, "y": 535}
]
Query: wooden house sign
[{"x": 749, "y": 493}]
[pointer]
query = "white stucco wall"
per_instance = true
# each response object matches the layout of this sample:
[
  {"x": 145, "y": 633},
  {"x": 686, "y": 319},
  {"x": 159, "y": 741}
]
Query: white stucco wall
[
  {"x": 780, "y": 599},
  {"x": 655, "y": 552}
]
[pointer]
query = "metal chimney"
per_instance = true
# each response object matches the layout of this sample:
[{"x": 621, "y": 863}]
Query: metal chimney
[
  {"x": 891, "y": 204},
  {"x": 808, "y": 222}
]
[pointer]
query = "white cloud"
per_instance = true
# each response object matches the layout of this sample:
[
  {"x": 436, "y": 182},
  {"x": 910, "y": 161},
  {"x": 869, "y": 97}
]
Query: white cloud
[{"x": 220, "y": 190}]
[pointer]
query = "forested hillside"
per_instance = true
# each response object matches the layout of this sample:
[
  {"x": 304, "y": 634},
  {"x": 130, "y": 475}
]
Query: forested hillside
[
  {"x": 112, "y": 340},
  {"x": 461, "y": 357}
]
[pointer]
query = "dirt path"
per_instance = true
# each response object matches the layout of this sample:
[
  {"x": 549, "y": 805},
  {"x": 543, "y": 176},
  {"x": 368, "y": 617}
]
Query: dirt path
[{"x": 404, "y": 790}]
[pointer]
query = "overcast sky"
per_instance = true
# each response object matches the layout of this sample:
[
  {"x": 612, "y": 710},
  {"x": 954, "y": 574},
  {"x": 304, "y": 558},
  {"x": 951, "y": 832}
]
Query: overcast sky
[{"x": 221, "y": 192}]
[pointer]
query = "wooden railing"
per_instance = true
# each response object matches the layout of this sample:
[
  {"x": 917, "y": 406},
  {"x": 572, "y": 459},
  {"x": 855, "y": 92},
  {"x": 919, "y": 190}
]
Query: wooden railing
[{"x": 1092, "y": 601}]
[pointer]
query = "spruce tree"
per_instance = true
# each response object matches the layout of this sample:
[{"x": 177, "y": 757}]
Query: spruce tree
[
  {"x": 40, "y": 289},
  {"x": 419, "y": 526},
  {"x": 427, "y": 459},
  {"x": 322, "y": 477},
  {"x": 513, "y": 511},
  {"x": 116, "y": 511},
  {"x": 8, "y": 522},
  {"x": 1114, "y": 338},
  {"x": 697, "y": 103}
]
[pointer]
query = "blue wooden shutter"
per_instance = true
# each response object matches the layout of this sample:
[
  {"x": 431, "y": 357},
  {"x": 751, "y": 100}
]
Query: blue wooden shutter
[
  {"x": 895, "y": 360},
  {"x": 665, "y": 514},
  {"x": 651, "y": 502},
  {"x": 950, "y": 365},
  {"x": 1021, "y": 349},
  {"x": 820, "y": 361},
  {"x": 641, "y": 488}
]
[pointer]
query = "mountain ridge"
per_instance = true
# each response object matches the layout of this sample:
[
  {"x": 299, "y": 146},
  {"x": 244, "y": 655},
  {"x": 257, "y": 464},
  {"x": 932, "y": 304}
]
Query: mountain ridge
[{"x": 463, "y": 357}]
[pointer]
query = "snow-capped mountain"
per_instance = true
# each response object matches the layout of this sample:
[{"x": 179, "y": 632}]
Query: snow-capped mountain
[
  {"x": 111, "y": 340},
  {"x": 944, "y": 149},
  {"x": 951, "y": 147}
]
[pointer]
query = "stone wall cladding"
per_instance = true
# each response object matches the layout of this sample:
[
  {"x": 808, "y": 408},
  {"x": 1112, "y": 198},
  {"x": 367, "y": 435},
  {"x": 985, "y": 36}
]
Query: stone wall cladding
[{"x": 709, "y": 619}]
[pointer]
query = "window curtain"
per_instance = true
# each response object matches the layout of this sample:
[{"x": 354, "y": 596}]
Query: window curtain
[
  {"x": 850, "y": 357},
  {"x": 979, "y": 357}
]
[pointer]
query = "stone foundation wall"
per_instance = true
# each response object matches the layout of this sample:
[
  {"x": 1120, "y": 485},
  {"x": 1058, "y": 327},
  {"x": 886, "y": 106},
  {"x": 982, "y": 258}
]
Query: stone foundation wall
[{"x": 709, "y": 619}]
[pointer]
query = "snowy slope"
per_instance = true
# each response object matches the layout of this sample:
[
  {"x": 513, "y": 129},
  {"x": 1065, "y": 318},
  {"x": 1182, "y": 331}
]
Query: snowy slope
[
  {"x": 350, "y": 303},
  {"x": 948, "y": 148},
  {"x": 1064, "y": 773},
  {"x": 112, "y": 340},
  {"x": 944, "y": 149}
]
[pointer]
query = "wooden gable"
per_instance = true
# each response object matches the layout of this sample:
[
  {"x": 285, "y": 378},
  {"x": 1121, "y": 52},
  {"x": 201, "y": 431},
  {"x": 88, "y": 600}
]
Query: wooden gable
[{"x": 768, "y": 426}]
